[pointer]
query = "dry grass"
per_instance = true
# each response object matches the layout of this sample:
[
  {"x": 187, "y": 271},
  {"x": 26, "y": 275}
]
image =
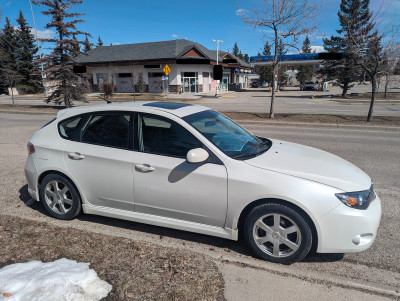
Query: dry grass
[
  {"x": 314, "y": 118},
  {"x": 136, "y": 270}
]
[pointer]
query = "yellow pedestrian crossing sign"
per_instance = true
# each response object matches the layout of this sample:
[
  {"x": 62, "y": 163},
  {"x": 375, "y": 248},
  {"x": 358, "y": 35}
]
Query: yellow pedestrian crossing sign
[{"x": 166, "y": 70}]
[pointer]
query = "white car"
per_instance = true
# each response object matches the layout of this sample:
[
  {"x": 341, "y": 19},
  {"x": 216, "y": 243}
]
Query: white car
[
  {"x": 309, "y": 86},
  {"x": 190, "y": 168}
]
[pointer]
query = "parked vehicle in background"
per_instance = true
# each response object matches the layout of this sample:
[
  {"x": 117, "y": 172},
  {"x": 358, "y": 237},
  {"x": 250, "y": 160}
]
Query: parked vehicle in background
[
  {"x": 187, "y": 167},
  {"x": 255, "y": 84},
  {"x": 309, "y": 86},
  {"x": 265, "y": 85}
]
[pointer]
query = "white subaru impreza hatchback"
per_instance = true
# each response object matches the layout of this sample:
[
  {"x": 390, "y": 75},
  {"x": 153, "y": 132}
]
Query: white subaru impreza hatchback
[{"x": 190, "y": 168}]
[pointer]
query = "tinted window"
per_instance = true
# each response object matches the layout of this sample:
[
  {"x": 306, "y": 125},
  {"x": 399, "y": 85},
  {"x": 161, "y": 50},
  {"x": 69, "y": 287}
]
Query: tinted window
[
  {"x": 70, "y": 128},
  {"x": 108, "y": 130},
  {"x": 159, "y": 135}
]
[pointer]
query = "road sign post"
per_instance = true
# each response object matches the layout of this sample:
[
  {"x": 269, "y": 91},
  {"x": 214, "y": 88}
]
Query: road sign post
[{"x": 166, "y": 70}]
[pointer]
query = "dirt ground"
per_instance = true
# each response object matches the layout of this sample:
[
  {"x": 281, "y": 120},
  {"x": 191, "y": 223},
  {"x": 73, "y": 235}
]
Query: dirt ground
[
  {"x": 242, "y": 116},
  {"x": 315, "y": 118},
  {"x": 136, "y": 270}
]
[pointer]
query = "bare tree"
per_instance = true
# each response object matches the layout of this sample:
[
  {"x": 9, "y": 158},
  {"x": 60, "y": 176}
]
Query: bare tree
[
  {"x": 11, "y": 77},
  {"x": 391, "y": 59},
  {"x": 288, "y": 20},
  {"x": 107, "y": 86},
  {"x": 133, "y": 80}
]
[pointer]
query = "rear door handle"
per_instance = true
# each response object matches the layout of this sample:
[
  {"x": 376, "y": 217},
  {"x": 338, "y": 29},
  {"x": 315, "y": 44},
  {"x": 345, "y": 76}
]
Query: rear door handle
[
  {"x": 144, "y": 167},
  {"x": 75, "y": 156}
]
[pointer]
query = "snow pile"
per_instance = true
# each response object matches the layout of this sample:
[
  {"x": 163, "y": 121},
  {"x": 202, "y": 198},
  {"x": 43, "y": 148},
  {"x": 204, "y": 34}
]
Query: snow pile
[{"x": 60, "y": 280}]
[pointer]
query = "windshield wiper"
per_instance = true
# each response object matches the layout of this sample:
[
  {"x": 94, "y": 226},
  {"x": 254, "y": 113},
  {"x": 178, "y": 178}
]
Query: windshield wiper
[{"x": 255, "y": 153}]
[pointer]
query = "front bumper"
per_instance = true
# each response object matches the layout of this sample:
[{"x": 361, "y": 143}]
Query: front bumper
[
  {"x": 31, "y": 175},
  {"x": 346, "y": 229}
]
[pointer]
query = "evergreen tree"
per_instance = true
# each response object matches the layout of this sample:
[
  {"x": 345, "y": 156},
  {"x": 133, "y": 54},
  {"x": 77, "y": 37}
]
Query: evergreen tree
[
  {"x": 246, "y": 58},
  {"x": 240, "y": 55},
  {"x": 76, "y": 49},
  {"x": 29, "y": 74},
  {"x": 235, "y": 50},
  {"x": 281, "y": 48},
  {"x": 267, "y": 49},
  {"x": 305, "y": 71},
  {"x": 265, "y": 72},
  {"x": 67, "y": 86},
  {"x": 8, "y": 56},
  {"x": 99, "y": 42},
  {"x": 344, "y": 72},
  {"x": 87, "y": 45}
]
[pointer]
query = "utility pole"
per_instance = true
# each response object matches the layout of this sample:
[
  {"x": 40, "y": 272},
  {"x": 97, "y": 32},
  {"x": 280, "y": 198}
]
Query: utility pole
[
  {"x": 218, "y": 41},
  {"x": 40, "y": 54}
]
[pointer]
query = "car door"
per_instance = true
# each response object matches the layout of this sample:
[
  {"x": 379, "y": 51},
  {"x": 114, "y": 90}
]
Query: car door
[
  {"x": 165, "y": 184},
  {"x": 99, "y": 157}
]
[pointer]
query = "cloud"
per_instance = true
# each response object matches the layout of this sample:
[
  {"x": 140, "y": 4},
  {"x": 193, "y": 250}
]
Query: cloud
[
  {"x": 317, "y": 49},
  {"x": 8, "y": 3},
  {"x": 174, "y": 35},
  {"x": 241, "y": 12},
  {"x": 44, "y": 34},
  {"x": 115, "y": 43}
]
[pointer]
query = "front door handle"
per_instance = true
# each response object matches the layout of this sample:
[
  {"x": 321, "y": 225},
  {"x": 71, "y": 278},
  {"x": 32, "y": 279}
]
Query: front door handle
[
  {"x": 75, "y": 156},
  {"x": 144, "y": 167}
]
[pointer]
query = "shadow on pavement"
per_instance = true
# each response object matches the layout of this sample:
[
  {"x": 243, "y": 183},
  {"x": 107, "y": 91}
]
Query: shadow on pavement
[{"x": 210, "y": 241}]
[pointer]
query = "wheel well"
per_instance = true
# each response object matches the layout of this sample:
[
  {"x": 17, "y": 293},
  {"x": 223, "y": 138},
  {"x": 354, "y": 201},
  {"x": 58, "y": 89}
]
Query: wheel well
[
  {"x": 43, "y": 175},
  {"x": 250, "y": 206}
]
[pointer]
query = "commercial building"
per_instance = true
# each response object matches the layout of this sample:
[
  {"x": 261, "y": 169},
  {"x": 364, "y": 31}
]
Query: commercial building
[{"x": 190, "y": 65}]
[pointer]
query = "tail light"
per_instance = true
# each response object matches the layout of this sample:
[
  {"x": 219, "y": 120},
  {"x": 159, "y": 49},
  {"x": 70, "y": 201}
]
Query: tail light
[{"x": 31, "y": 148}]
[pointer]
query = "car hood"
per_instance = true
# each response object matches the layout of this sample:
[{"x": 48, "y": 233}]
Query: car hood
[{"x": 312, "y": 164}]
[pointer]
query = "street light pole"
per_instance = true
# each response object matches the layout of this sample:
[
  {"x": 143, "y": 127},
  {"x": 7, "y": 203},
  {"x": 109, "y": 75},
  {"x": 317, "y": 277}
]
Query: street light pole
[
  {"x": 40, "y": 54},
  {"x": 218, "y": 41}
]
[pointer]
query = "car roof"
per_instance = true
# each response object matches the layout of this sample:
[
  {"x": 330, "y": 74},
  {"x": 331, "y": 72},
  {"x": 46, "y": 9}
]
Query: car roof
[{"x": 175, "y": 108}]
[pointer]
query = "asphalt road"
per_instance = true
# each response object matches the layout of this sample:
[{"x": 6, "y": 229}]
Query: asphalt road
[{"x": 376, "y": 152}]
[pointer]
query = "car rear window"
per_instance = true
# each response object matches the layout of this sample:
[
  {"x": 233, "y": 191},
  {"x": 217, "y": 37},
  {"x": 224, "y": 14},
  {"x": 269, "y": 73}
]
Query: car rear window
[{"x": 70, "y": 128}]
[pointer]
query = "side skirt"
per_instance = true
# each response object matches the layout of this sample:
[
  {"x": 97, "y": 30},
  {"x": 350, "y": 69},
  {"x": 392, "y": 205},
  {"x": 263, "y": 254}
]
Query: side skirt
[{"x": 161, "y": 221}]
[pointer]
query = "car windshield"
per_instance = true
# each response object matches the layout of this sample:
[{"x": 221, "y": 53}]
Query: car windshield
[{"x": 228, "y": 136}]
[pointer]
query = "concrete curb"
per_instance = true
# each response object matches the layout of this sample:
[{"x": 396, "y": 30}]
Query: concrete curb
[{"x": 266, "y": 123}]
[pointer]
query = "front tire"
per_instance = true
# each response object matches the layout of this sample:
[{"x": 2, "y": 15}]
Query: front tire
[
  {"x": 277, "y": 233},
  {"x": 60, "y": 197}
]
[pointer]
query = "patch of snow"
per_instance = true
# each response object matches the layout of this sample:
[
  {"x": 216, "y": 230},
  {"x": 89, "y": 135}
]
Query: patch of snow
[{"x": 60, "y": 280}]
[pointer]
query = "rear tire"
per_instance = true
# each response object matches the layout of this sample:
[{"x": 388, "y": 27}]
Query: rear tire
[
  {"x": 277, "y": 233},
  {"x": 60, "y": 197}
]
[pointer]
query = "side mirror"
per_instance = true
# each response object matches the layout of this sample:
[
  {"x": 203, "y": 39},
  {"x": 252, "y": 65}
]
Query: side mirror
[{"x": 197, "y": 155}]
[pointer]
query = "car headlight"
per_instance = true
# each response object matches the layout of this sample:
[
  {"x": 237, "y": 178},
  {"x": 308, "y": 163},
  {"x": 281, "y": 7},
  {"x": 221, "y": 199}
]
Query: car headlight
[{"x": 359, "y": 199}]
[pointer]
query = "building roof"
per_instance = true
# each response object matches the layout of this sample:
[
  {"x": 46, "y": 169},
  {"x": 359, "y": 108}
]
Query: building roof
[{"x": 172, "y": 49}]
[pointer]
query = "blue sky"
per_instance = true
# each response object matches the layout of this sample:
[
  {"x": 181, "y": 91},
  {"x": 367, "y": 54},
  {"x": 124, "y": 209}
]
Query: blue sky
[{"x": 134, "y": 21}]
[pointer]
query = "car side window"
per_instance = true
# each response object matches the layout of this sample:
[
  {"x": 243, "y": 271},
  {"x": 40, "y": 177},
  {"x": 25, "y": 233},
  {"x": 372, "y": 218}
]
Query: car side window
[
  {"x": 110, "y": 130},
  {"x": 70, "y": 128},
  {"x": 162, "y": 136}
]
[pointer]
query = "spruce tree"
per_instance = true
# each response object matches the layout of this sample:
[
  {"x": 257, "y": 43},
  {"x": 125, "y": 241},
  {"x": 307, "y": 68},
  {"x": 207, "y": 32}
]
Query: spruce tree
[
  {"x": 267, "y": 49},
  {"x": 235, "y": 50},
  {"x": 87, "y": 45},
  {"x": 305, "y": 71},
  {"x": 8, "y": 57},
  {"x": 66, "y": 84},
  {"x": 27, "y": 68},
  {"x": 265, "y": 72},
  {"x": 99, "y": 42},
  {"x": 344, "y": 72}
]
